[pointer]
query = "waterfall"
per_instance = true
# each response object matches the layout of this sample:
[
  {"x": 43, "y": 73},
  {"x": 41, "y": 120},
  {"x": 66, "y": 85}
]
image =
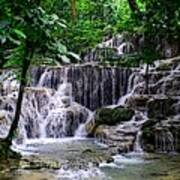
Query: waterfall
[
  {"x": 135, "y": 82},
  {"x": 81, "y": 131},
  {"x": 59, "y": 100},
  {"x": 111, "y": 48},
  {"x": 165, "y": 141},
  {"x": 93, "y": 86}
]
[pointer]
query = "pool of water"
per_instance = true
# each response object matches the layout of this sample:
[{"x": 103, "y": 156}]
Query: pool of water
[
  {"x": 83, "y": 159},
  {"x": 145, "y": 167}
]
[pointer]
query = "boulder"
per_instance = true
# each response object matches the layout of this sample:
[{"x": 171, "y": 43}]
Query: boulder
[
  {"x": 109, "y": 117},
  {"x": 114, "y": 116},
  {"x": 109, "y": 127},
  {"x": 138, "y": 102}
]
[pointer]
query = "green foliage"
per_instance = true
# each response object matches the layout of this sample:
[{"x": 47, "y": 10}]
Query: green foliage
[
  {"x": 162, "y": 18},
  {"x": 27, "y": 27},
  {"x": 95, "y": 20},
  {"x": 113, "y": 116},
  {"x": 147, "y": 55},
  {"x": 42, "y": 24}
]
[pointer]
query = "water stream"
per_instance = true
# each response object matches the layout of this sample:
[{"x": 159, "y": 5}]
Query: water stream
[{"x": 59, "y": 102}]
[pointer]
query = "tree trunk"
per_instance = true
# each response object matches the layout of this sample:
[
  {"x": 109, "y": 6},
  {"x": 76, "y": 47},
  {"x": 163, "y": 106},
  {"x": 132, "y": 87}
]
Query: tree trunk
[
  {"x": 25, "y": 66},
  {"x": 134, "y": 7},
  {"x": 147, "y": 79},
  {"x": 73, "y": 9}
]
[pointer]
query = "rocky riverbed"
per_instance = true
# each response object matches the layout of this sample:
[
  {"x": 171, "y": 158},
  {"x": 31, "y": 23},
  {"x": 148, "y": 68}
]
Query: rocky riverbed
[{"x": 85, "y": 160}]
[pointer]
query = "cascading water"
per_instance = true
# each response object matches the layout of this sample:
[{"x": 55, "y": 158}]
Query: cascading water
[
  {"x": 140, "y": 117},
  {"x": 113, "y": 47},
  {"x": 50, "y": 106},
  {"x": 164, "y": 141},
  {"x": 60, "y": 100},
  {"x": 93, "y": 86}
]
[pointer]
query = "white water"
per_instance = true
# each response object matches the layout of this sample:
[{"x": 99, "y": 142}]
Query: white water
[
  {"x": 81, "y": 131},
  {"x": 89, "y": 174},
  {"x": 51, "y": 119},
  {"x": 118, "y": 43},
  {"x": 128, "y": 159}
]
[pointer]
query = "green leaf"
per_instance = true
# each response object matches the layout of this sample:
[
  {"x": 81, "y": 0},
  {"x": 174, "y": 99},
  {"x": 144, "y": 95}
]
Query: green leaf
[
  {"x": 76, "y": 56},
  {"x": 19, "y": 33},
  {"x": 62, "y": 25},
  {"x": 14, "y": 40},
  {"x": 61, "y": 48},
  {"x": 54, "y": 17},
  {"x": 65, "y": 59}
]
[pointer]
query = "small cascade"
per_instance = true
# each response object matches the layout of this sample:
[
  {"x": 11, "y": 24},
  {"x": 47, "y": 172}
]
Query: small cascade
[
  {"x": 81, "y": 131},
  {"x": 111, "y": 48},
  {"x": 137, "y": 144},
  {"x": 135, "y": 124},
  {"x": 46, "y": 113},
  {"x": 165, "y": 141},
  {"x": 8, "y": 83},
  {"x": 61, "y": 116},
  {"x": 132, "y": 129},
  {"x": 135, "y": 82}
]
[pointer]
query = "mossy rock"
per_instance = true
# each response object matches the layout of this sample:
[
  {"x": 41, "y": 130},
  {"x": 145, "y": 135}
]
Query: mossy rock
[
  {"x": 114, "y": 116},
  {"x": 164, "y": 67}
]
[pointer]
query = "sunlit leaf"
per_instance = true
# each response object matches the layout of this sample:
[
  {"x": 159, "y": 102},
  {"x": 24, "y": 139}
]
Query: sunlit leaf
[
  {"x": 76, "y": 56},
  {"x": 65, "y": 59},
  {"x": 20, "y": 33}
]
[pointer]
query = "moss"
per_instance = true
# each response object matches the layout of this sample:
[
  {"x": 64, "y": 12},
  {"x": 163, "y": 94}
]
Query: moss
[
  {"x": 6, "y": 152},
  {"x": 113, "y": 116},
  {"x": 164, "y": 67}
]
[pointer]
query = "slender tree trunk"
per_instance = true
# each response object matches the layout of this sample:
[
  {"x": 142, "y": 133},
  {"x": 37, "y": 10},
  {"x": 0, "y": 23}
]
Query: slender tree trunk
[
  {"x": 147, "y": 79},
  {"x": 135, "y": 9},
  {"x": 73, "y": 9},
  {"x": 133, "y": 5},
  {"x": 25, "y": 66}
]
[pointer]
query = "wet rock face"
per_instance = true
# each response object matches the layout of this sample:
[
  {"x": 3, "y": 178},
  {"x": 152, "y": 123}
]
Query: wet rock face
[
  {"x": 161, "y": 107},
  {"x": 124, "y": 43},
  {"x": 93, "y": 86},
  {"x": 157, "y": 106},
  {"x": 162, "y": 136},
  {"x": 117, "y": 139},
  {"x": 6, "y": 114}
]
